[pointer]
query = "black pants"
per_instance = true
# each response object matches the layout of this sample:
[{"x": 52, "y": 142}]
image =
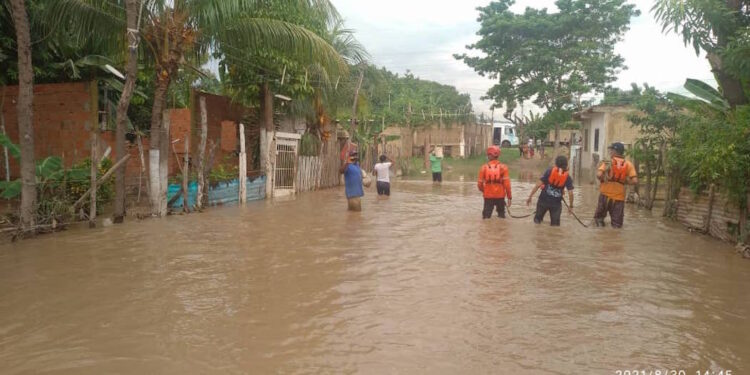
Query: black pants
[
  {"x": 554, "y": 208},
  {"x": 437, "y": 176},
  {"x": 490, "y": 204},
  {"x": 384, "y": 188},
  {"x": 616, "y": 210}
]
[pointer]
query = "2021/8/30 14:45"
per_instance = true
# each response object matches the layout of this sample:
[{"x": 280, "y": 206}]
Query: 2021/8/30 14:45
[{"x": 672, "y": 372}]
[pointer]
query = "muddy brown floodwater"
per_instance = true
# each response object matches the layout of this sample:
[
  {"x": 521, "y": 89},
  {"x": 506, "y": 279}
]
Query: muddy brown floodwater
[{"x": 414, "y": 284}]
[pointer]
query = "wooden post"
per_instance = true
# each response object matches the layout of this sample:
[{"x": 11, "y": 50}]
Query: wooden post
[
  {"x": 119, "y": 164},
  {"x": 185, "y": 174},
  {"x": 243, "y": 166},
  {"x": 94, "y": 170},
  {"x": 202, "y": 154}
]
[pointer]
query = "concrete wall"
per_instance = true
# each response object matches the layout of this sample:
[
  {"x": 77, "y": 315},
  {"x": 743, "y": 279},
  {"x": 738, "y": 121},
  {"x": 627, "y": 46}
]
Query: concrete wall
[
  {"x": 613, "y": 126},
  {"x": 594, "y": 122}
]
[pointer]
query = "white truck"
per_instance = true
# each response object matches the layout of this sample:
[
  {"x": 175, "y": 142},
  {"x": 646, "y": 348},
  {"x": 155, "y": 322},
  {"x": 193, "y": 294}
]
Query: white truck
[{"x": 504, "y": 134}]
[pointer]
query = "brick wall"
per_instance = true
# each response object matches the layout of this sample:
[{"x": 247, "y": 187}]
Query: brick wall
[
  {"x": 63, "y": 114},
  {"x": 223, "y": 117}
]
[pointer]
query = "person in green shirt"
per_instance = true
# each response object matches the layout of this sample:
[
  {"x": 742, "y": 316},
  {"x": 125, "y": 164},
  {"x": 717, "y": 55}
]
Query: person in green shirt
[{"x": 437, "y": 167}]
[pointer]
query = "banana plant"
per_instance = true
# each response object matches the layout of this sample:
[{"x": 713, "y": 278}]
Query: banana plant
[
  {"x": 706, "y": 95},
  {"x": 49, "y": 172}
]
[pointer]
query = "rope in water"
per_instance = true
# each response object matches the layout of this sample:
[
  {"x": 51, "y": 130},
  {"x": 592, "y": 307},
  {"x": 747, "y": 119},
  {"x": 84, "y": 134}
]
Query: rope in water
[
  {"x": 574, "y": 214},
  {"x": 518, "y": 217},
  {"x": 534, "y": 213}
]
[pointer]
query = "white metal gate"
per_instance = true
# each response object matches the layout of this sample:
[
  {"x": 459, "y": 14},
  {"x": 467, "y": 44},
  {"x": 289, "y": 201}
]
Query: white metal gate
[{"x": 285, "y": 171}]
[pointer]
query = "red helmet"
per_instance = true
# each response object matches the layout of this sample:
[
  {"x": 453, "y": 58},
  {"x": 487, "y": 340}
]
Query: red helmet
[{"x": 493, "y": 151}]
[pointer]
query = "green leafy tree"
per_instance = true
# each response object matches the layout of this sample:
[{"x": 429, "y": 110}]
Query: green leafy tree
[
  {"x": 174, "y": 30},
  {"x": 721, "y": 29},
  {"x": 551, "y": 59}
]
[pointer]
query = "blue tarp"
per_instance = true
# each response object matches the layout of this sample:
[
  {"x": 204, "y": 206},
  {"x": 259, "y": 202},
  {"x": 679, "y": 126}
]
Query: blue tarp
[{"x": 224, "y": 193}]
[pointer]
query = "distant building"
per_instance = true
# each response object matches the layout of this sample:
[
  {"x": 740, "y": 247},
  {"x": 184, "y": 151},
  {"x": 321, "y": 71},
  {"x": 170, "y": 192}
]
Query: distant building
[{"x": 600, "y": 126}]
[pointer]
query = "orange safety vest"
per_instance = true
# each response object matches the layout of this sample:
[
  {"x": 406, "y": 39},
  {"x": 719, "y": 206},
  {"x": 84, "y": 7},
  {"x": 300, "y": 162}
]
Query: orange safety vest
[
  {"x": 618, "y": 170},
  {"x": 558, "y": 178},
  {"x": 493, "y": 174}
]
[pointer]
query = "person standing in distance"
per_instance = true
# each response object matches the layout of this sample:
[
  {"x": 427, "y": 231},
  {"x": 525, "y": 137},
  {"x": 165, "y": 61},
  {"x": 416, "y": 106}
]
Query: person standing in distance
[
  {"x": 383, "y": 172},
  {"x": 436, "y": 164}
]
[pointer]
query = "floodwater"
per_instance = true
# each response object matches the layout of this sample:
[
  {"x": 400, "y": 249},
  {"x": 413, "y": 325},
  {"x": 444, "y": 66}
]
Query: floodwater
[{"x": 417, "y": 283}]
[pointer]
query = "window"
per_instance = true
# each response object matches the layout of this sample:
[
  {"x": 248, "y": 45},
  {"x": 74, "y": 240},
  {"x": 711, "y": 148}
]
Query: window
[
  {"x": 585, "y": 140},
  {"x": 596, "y": 140},
  {"x": 508, "y": 131}
]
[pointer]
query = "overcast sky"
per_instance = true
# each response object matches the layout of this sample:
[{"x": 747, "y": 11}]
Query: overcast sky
[{"x": 422, "y": 36}]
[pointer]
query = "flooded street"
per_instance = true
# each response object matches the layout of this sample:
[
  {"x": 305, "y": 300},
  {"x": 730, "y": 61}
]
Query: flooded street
[{"x": 417, "y": 283}]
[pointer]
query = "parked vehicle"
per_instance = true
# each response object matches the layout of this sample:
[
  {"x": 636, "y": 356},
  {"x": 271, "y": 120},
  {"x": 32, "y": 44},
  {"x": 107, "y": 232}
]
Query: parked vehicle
[{"x": 504, "y": 134}]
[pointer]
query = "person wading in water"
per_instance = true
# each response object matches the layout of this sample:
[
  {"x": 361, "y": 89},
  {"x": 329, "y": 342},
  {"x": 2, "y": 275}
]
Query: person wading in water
[
  {"x": 614, "y": 176},
  {"x": 353, "y": 182},
  {"x": 552, "y": 183},
  {"x": 494, "y": 183},
  {"x": 436, "y": 164},
  {"x": 383, "y": 172}
]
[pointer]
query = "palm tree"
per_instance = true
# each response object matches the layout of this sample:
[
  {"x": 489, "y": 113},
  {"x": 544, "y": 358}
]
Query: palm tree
[
  {"x": 133, "y": 39},
  {"x": 25, "y": 113},
  {"x": 173, "y": 29}
]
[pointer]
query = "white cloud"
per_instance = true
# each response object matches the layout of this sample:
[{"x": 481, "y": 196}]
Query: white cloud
[{"x": 422, "y": 35}]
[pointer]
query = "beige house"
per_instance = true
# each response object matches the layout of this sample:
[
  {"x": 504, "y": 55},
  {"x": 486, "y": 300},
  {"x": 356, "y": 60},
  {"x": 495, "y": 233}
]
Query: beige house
[{"x": 602, "y": 125}]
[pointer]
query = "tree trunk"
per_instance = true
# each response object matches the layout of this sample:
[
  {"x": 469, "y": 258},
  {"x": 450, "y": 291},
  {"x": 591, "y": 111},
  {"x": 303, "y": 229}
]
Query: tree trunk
[
  {"x": 743, "y": 220},
  {"x": 242, "y": 178},
  {"x": 6, "y": 161},
  {"x": 25, "y": 114},
  {"x": 139, "y": 143},
  {"x": 94, "y": 171},
  {"x": 656, "y": 178},
  {"x": 731, "y": 88},
  {"x": 131, "y": 9},
  {"x": 648, "y": 184},
  {"x": 186, "y": 175},
  {"x": 557, "y": 140},
  {"x": 353, "y": 123},
  {"x": 166, "y": 143},
  {"x": 202, "y": 154},
  {"x": 157, "y": 110}
]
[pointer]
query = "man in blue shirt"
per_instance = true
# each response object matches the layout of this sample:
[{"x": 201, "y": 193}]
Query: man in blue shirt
[
  {"x": 353, "y": 181},
  {"x": 552, "y": 183}
]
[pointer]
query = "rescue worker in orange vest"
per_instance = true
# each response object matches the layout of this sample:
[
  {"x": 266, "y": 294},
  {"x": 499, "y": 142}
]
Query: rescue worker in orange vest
[
  {"x": 552, "y": 183},
  {"x": 614, "y": 176},
  {"x": 494, "y": 183}
]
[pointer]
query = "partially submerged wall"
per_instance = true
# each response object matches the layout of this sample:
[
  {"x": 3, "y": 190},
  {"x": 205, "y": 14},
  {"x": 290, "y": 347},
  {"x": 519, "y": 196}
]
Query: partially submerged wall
[{"x": 710, "y": 213}]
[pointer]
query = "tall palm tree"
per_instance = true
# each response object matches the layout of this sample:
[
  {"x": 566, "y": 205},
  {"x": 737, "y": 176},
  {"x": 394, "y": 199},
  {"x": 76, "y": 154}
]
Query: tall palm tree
[
  {"x": 133, "y": 38},
  {"x": 174, "y": 28},
  {"x": 25, "y": 113}
]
